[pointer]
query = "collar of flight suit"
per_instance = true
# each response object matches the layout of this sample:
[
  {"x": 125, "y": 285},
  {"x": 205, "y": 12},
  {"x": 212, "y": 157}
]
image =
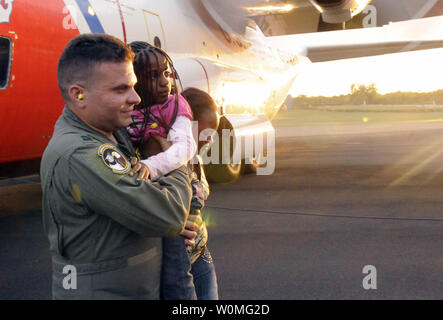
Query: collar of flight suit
[{"x": 121, "y": 135}]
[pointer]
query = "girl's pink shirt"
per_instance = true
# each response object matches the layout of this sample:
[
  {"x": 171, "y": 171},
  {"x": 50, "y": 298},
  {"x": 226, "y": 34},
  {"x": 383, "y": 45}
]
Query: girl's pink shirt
[
  {"x": 162, "y": 114},
  {"x": 183, "y": 144}
]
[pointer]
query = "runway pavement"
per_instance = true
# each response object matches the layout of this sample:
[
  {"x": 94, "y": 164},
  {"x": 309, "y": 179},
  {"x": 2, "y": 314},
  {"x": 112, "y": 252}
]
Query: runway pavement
[{"x": 335, "y": 204}]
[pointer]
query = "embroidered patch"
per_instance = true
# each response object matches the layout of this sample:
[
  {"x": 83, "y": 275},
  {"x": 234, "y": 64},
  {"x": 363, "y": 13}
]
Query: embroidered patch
[{"x": 113, "y": 159}]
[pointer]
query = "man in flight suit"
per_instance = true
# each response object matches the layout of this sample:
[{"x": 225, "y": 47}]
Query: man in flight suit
[{"x": 104, "y": 225}]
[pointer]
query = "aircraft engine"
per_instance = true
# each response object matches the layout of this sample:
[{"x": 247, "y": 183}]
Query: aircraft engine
[{"x": 339, "y": 11}]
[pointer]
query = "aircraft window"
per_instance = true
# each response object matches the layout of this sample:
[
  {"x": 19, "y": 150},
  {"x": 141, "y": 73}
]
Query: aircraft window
[{"x": 5, "y": 61}]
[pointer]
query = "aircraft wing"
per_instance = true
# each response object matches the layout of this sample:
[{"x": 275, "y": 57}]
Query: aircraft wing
[
  {"x": 417, "y": 34},
  {"x": 321, "y": 54}
]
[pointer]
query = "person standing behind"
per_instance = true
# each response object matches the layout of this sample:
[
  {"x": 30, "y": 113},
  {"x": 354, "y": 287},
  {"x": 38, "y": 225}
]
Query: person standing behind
[
  {"x": 191, "y": 274},
  {"x": 202, "y": 268},
  {"x": 101, "y": 222}
]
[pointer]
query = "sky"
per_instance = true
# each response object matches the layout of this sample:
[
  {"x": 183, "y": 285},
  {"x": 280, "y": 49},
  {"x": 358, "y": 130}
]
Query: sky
[{"x": 411, "y": 71}]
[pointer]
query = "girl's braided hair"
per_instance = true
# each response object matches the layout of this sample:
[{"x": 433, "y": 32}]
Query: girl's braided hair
[{"x": 144, "y": 53}]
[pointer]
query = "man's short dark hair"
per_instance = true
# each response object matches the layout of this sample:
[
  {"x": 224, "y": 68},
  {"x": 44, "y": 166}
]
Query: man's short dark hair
[{"x": 83, "y": 53}]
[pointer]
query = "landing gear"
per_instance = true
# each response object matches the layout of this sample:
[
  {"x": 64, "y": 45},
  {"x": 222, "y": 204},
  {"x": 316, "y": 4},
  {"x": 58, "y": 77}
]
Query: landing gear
[
  {"x": 227, "y": 170},
  {"x": 231, "y": 172},
  {"x": 224, "y": 172}
]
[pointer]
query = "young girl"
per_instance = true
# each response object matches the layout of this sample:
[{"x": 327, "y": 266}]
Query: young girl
[
  {"x": 187, "y": 271},
  {"x": 159, "y": 113}
]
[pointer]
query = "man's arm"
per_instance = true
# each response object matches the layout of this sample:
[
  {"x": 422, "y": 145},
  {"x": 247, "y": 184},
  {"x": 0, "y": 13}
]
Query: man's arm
[{"x": 150, "y": 209}]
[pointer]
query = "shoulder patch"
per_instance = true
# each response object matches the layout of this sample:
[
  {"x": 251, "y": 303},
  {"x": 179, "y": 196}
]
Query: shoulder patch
[{"x": 113, "y": 158}]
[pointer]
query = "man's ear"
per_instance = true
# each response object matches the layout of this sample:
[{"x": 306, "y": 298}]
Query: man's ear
[{"x": 76, "y": 94}]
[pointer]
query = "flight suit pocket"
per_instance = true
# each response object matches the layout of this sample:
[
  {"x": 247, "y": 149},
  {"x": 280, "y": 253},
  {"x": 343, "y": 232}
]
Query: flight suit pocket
[{"x": 139, "y": 279}]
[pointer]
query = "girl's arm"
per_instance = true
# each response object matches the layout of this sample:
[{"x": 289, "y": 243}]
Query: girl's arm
[{"x": 182, "y": 150}]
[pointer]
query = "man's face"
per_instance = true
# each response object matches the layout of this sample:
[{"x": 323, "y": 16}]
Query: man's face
[
  {"x": 110, "y": 96},
  {"x": 160, "y": 82}
]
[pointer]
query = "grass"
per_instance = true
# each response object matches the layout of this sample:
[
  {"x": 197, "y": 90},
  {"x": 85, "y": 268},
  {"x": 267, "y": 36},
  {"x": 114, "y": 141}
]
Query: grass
[{"x": 339, "y": 115}]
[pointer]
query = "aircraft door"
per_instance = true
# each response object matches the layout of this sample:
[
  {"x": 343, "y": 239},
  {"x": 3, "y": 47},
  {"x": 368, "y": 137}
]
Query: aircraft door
[
  {"x": 156, "y": 32},
  {"x": 5, "y": 61}
]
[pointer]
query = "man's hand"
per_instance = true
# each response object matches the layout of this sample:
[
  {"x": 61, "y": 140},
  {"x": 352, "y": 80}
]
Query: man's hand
[
  {"x": 164, "y": 143},
  {"x": 137, "y": 166},
  {"x": 192, "y": 228}
]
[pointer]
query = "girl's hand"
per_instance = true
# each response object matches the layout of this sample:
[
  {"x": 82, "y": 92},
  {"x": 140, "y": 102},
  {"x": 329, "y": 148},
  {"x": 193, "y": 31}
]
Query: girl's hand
[{"x": 137, "y": 166}]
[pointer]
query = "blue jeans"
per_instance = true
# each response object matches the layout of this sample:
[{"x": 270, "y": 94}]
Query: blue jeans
[
  {"x": 180, "y": 280},
  {"x": 205, "y": 278},
  {"x": 176, "y": 279}
]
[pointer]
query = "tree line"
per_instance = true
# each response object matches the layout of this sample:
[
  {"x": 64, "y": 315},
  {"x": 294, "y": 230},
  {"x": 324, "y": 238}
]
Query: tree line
[{"x": 368, "y": 94}]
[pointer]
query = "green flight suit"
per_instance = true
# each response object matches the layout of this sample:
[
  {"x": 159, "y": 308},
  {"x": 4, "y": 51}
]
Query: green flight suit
[{"x": 100, "y": 220}]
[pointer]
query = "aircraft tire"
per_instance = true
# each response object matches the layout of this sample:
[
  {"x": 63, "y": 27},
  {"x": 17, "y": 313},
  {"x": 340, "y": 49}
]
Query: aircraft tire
[{"x": 223, "y": 173}]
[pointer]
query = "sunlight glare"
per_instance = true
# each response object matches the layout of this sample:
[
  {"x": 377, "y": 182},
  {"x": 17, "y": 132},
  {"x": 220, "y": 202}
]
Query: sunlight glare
[{"x": 409, "y": 71}]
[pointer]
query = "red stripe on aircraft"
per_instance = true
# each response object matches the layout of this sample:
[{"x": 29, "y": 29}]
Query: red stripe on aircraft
[
  {"x": 206, "y": 73},
  {"x": 122, "y": 19}
]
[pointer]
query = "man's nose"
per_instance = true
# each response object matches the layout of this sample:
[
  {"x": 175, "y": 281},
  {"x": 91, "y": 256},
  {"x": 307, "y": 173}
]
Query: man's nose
[{"x": 134, "y": 98}]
